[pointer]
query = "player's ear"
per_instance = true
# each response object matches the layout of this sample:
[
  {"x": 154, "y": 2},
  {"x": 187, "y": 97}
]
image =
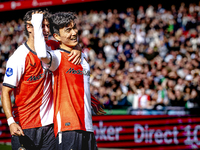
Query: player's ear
[
  {"x": 56, "y": 36},
  {"x": 29, "y": 27}
]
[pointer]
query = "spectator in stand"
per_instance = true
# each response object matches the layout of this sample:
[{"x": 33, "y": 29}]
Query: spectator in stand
[{"x": 144, "y": 101}]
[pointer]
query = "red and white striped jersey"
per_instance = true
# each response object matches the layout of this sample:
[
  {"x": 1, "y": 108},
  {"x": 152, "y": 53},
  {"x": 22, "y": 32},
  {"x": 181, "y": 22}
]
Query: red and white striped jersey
[
  {"x": 32, "y": 88},
  {"x": 72, "y": 109}
]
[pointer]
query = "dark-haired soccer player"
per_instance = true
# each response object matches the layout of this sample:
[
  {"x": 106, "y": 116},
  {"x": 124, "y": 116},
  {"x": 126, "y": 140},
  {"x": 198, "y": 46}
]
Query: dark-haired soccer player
[
  {"x": 72, "y": 114},
  {"x": 31, "y": 119}
]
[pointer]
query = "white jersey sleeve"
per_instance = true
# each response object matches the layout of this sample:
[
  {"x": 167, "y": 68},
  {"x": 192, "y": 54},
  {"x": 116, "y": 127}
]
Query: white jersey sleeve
[
  {"x": 14, "y": 68},
  {"x": 55, "y": 59},
  {"x": 39, "y": 42}
]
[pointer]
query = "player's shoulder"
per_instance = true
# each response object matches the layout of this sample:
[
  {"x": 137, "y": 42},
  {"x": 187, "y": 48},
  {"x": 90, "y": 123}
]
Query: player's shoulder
[
  {"x": 84, "y": 57},
  {"x": 19, "y": 54},
  {"x": 19, "y": 51},
  {"x": 83, "y": 54}
]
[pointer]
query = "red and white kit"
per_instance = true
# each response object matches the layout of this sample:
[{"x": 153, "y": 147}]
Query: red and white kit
[
  {"x": 32, "y": 89},
  {"x": 71, "y": 93},
  {"x": 72, "y": 99}
]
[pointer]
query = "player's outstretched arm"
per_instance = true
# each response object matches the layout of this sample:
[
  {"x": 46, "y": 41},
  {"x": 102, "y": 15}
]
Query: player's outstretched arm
[{"x": 15, "y": 129}]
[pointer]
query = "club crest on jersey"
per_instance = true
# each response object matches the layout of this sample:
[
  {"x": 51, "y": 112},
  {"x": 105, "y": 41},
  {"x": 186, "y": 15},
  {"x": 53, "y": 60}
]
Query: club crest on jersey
[{"x": 9, "y": 72}]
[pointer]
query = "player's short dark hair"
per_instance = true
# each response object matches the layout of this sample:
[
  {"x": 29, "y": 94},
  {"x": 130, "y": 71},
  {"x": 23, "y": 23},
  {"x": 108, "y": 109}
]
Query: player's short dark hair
[
  {"x": 61, "y": 20},
  {"x": 28, "y": 17}
]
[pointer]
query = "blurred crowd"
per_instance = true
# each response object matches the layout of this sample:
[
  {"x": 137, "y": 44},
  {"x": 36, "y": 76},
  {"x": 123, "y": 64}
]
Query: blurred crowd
[{"x": 139, "y": 57}]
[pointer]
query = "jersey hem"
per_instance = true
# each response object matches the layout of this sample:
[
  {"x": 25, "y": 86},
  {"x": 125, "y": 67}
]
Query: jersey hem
[{"x": 30, "y": 127}]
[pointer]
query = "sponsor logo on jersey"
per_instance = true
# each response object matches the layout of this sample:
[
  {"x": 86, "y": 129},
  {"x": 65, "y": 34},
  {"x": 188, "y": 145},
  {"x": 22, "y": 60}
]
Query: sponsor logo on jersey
[
  {"x": 9, "y": 72},
  {"x": 79, "y": 72},
  {"x": 35, "y": 78}
]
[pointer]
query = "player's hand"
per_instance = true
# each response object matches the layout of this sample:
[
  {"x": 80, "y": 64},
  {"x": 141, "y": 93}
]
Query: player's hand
[
  {"x": 75, "y": 57},
  {"x": 38, "y": 12},
  {"x": 97, "y": 106},
  {"x": 101, "y": 111},
  {"x": 16, "y": 130},
  {"x": 35, "y": 12}
]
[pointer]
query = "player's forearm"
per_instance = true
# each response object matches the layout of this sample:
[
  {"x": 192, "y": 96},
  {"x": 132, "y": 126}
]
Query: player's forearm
[
  {"x": 6, "y": 101},
  {"x": 39, "y": 41}
]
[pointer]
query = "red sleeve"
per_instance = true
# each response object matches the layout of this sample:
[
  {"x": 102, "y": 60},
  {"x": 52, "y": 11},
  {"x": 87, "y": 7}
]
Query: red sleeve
[{"x": 53, "y": 44}]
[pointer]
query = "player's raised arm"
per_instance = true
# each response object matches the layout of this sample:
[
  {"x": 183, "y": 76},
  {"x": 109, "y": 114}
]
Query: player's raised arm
[
  {"x": 45, "y": 56},
  {"x": 39, "y": 41}
]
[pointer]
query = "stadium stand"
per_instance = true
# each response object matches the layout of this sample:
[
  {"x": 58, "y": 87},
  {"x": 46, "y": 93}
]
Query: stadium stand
[{"x": 141, "y": 59}]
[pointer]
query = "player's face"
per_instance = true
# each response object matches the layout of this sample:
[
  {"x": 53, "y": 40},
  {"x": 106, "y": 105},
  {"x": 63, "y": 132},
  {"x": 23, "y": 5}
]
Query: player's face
[
  {"x": 68, "y": 36},
  {"x": 46, "y": 29}
]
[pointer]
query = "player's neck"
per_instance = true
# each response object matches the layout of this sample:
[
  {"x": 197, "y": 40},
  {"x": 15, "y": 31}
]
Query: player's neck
[
  {"x": 30, "y": 44},
  {"x": 66, "y": 47}
]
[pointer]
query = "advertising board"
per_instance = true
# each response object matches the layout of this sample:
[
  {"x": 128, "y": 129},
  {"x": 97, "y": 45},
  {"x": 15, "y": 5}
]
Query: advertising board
[
  {"x": 160, "y": 132},
  {"x": 147, "y": 131}
]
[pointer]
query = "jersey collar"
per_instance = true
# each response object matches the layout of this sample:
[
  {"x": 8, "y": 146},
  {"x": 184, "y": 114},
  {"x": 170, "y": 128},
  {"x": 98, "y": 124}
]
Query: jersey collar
[
  {"x": 64, "y": 50},
  {"x": 29, "y": 48}
]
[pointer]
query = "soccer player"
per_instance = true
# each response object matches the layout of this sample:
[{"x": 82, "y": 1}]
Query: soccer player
[
  {"x": 31, "y": 119},
  {"x": 72, "y": 111}
]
